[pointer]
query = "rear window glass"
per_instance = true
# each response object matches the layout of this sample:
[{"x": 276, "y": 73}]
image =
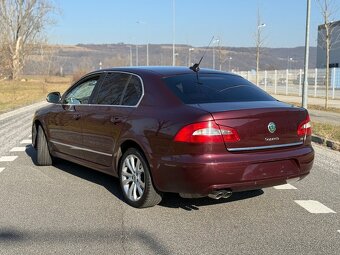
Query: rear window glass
[{"x": 214, "y": 88}]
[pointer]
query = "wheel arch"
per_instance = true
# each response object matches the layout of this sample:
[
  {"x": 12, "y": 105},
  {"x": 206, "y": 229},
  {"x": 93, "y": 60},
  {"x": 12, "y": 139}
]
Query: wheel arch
[
  {"x": 129, "y": 143},
  {"x": 35, "y": 126},
  {"x": 124, "y": 146}
]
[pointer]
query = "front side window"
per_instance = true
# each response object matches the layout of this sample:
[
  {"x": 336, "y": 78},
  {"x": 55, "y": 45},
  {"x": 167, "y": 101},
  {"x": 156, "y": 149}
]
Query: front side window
[{"x": 81, "y": 93}]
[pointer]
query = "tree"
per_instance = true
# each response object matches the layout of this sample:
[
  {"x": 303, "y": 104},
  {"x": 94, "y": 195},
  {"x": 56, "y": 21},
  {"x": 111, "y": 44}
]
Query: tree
[
  {"x": 22, "y": 25},
  {"x": 326, "y": 39}
]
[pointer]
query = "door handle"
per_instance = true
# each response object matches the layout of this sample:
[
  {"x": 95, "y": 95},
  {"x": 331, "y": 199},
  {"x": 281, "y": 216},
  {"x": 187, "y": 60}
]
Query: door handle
[
  {"x": 76, "y": 116},
  {"x": 116, "y": 120}
]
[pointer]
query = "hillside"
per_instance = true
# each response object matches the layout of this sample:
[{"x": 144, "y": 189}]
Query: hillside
[{"x": 67, "y": 59}]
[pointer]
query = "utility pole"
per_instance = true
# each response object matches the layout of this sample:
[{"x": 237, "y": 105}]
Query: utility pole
[
  {"x": 259, "y": 42},
  {"x": 173, "y": 34},
  {"x": 305, "y": 81}
]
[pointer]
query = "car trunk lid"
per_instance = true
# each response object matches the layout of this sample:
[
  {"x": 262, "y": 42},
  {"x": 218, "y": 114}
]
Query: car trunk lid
[{"x": 260, "y": 125}]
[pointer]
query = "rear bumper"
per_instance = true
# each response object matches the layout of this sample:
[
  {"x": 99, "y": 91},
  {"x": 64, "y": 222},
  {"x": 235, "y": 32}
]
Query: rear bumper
[{"x": 203, "y": 174}]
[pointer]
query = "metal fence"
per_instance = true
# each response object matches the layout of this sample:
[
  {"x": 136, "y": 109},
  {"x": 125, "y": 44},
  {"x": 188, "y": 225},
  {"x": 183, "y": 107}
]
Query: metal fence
[{"x": 289, "y": 82}]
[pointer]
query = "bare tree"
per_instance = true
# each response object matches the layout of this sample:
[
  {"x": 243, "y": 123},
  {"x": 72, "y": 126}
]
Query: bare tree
[
  {"x": 22, "y": 25},
  {"x": 327, "y": 39},
  {"x": 259, "y": 43}
]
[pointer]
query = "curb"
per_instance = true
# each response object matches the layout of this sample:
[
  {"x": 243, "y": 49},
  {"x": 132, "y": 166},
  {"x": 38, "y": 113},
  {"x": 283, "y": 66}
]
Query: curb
[
  {"x": 329, "y": 143},
  {"x": 22, "y": 109}
]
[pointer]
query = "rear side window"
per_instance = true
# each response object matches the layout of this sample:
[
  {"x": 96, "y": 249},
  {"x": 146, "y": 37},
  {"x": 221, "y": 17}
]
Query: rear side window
[
  {"x": 214, "y": 88},
  {"x": 112, "y": 88},
  {"x": 133, "y": 91},
  {"x": 120, "y": 89}
]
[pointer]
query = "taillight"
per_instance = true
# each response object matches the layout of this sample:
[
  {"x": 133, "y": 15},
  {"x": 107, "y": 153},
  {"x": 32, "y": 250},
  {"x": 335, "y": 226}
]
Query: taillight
[
  {"x": 305, "y": 127},
  {"x": 206, "y": 132}
]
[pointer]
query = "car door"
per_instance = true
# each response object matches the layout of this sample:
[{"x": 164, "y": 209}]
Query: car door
[
  {"x": 116, "y": 98},
  {"x": 66, "y": 123}
]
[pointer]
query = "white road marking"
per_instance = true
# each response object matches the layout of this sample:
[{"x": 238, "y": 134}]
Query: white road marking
[
  {"x": 18, "y": 149},
  {"x": 285, "y": 186},
  {"x": 7, "y": 158},
  {"x": 313, "y": 206},
  {"x": 30, "y": 136},
  {"x": 26, "y": 141},
  {"x": 339, "y": 231},
  {"x": 2, "y": 169}
]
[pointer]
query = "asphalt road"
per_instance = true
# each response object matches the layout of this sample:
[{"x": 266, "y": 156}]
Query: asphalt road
[{"x": 69, "y": 209}]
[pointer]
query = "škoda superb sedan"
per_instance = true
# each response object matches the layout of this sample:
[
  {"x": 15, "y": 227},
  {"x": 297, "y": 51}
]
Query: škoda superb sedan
[{"x": 175, "y": 129}]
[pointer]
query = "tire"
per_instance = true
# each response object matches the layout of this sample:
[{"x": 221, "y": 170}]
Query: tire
[
  {"x": 43, "y": 154},
  {"x": 135, "y": 180}
]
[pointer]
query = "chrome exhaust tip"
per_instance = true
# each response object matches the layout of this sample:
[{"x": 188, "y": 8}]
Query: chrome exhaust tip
[{"x": 218, "y": 194}]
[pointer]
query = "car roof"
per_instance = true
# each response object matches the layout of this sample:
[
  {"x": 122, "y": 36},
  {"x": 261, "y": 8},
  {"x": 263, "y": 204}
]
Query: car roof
[{"x": 162, "y": 71}]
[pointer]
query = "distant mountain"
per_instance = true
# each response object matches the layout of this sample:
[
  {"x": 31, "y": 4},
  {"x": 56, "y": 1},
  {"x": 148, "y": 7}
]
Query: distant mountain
[{"x": 68, "y": 59}]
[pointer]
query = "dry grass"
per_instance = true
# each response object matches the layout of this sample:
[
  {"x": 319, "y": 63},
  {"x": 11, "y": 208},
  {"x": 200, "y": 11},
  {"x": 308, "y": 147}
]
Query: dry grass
[
  {"x": 325, "y": 130},
  {"x": 317, "y": 107},
  {"x": 28, "y": 90}
]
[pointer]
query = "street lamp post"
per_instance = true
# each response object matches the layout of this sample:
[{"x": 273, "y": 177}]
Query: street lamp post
[
  {"x": 258, "y": 45},
  {"x": 173, "y": 34},
  {"x": 175, "y": 55},
  {"x": 189, "y": 57},
  {"x": 130, "y": 54},
  {"x": 136, "y": 54},
  {"x": 289, "y": 63},
  {"x": 305, "y": 81},
  {"x": 230, "y": 58},
  {"x": 215, "y": 41},
  {"x": 147, "y": 41}
]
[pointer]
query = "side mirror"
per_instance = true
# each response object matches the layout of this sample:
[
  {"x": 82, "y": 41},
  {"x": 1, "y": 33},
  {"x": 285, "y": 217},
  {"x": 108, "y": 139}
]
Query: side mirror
[{"x": 53, "y": 97}]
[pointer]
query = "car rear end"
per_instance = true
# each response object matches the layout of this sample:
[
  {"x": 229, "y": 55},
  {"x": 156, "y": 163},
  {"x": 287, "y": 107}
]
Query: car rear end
[{"x": 244, "y": 140}]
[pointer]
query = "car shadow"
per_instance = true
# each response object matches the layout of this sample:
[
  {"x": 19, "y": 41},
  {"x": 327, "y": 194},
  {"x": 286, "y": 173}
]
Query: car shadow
[
  {"x": 111, "y": 183},
  {"x": 172, "y": 200},
  {"x": 107, "y": 181}
]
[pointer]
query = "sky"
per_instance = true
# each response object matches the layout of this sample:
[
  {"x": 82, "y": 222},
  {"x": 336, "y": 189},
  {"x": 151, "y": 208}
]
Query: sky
[{"x": 233, "y": 22}]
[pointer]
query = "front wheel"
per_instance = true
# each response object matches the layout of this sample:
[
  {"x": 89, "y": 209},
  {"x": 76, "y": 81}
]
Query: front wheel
[
  {"x": 43, "y": 154},
  {"x": 136, "y": 182}
]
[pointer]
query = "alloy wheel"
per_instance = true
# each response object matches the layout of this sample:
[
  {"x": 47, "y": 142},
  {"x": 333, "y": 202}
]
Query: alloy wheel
[{"x": 133, "y": 178}]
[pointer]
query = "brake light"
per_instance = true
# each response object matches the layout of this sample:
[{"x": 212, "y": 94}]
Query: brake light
[
  {"x": 305, "y": 127},
  {"x": 206, "y": 132}
]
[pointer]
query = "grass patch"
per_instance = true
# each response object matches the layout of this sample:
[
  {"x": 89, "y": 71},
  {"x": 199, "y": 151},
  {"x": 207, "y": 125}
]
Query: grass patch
[
  {"x": 325, "y": 130},
  {"x": 317, "y": 107},
  {"x": 15, "y": 94}
]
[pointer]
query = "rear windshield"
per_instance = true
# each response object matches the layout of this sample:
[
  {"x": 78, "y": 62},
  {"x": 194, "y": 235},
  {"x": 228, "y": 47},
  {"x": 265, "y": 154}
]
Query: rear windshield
[{"x": 214, "y": 88}]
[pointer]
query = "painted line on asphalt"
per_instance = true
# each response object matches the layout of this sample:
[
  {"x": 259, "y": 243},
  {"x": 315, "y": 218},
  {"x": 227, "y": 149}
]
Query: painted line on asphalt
[
  {"x": 30, "y": 136},
  {"x": 7, "y": 158},
  {"x": 26, "y": 141},
  {"x": 2, "y": 169},
  {"x": 285, "y": 186},
  {"x": 339, "y": 231},
  {"x": 15, "y": 149},
  {"x": 313, "y": 206}
]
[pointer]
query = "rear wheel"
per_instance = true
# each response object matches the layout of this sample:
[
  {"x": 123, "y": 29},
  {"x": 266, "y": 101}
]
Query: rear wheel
[
  {"x": 136, "y": 182},
  {"x": 43, "y": 154}
]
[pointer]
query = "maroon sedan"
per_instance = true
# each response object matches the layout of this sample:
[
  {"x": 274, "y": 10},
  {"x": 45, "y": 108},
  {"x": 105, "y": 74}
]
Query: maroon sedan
[{"x": 174, "y": 129}]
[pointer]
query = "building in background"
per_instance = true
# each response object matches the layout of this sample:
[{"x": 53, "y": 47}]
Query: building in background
[{"x": 334, "y": 60}]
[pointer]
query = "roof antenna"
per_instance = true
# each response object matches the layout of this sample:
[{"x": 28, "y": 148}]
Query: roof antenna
[{"x": 196, "y": 67}]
